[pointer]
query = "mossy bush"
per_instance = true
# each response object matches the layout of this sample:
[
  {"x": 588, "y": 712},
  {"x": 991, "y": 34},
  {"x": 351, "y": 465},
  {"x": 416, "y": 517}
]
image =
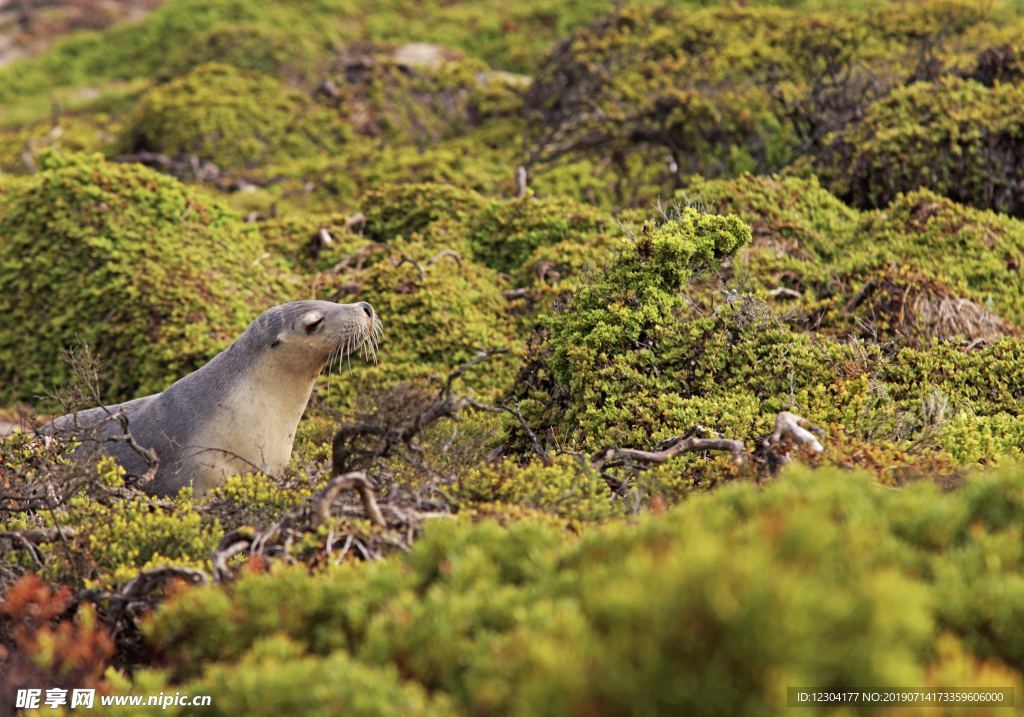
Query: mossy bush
[
  {"x": 109, "y": 534},
  {"x": 977, "y": 253},
  {"x": 20, "y": 147},
  {"x": 268, "y": 49},
  {"x": 789, "y": 215},
  {"x": 567, "y": 488},
  {"x": 602, "y": 349},
  {"x": 954, "y": 136},
  {"x": 501, "y": 233},
  {"x": 902, "y": 306},
  {"x": 640, "y": 353},
  {"x": 404, "y": 208},
  {"x": 728, "y": 89},
  {"x": 479, "y": 161},
  {"x": 235, "y": 118},
  {"x": 507, "y": 233},
  {"x": 154, "y": 277},
  {"x": 848, "y": 266},
  {"x": 752, "y": 596},
  {"x": 440, "y": 309},
  {"x": 504, "y": 35},
  {"x": 418, "y": 93},
  {"x": 647, "y": 96}
]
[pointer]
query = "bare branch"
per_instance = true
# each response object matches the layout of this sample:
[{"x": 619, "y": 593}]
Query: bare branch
[
  {"x": 348, "y": 481},
  {"x": 789, "y": 426},
  {"x": 521, "y": 181},
  {"x": 677, "y": 445}
]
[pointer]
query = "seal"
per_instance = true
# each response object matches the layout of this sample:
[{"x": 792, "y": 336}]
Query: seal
[{"x": 237, "y": 413}]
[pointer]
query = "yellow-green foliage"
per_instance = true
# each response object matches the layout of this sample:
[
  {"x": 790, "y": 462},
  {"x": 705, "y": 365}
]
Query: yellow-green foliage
[
  {"x": 531, "y": 586},
  {"x": 439, "y": 311},
  {"x": 954, "y": 136},
  {"x": 634, "y": 360},
  {"x": 480, "y": 160},
  {"x": 236, "y": 118},
  {"x": 505, "y": 234},
  {"x": 805, "y": 239},
  {"x": 978, "y": 253},
  {"x": 734, "y": 88},
  {"x": 128, "y": 536},
  {"x": 499, "y": 233},
  {"x": 713, "y": 608},
  {"x": 794, "y": 217},
  {"x": 112, "y": 539},
  {"x": 154, "y": 277},
  {"x": 423, "y": 101},
  {"x": 276, "y": 678},
  {"x": 502, "y": 34},
  {"x": 20, "y": 148},
  {"x": 401, "y": 209},
  {"x": 603, "y": 349},
  {"x": 271, "y": 49},
  {"x": 254, "y": 500},
  {"x": 566, "y": 488}
]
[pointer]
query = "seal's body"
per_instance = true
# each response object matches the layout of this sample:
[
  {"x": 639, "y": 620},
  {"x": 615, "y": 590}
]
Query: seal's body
[{"x": 237, "y": 413}]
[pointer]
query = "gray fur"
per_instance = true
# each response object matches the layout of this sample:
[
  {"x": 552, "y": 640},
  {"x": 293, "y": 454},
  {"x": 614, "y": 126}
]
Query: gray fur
[{"x": 172, "y": 423}]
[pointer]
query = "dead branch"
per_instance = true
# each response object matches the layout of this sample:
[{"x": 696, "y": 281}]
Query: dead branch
[
  {"x": 791, "y": 427},
  {"x": 355, "y": 222},
  {"x": 349, "y": 448},
  {"x": 450, "y": 253},
  {"x": 791, "y": 431},
  {"x": 694, "y": 441},
  {"x": 770, "y": 453},
  {"x": 30, "y": 540},
  {"x": 784, "y": 293},
  {"x": 121, "y": 610},
  {"x": 406, "y": 259},
  {"x": 348, "y": 481},
  {"x": 521, "y": 182}
]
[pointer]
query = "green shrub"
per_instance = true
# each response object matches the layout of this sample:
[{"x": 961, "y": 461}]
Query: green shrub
[
  {"x": 976, "y": 253},
  {"x": 788, "y": 215},
  {"x": 955, "y": 137},
  {"x": 402, "y": 209},
  {"x": 602, "y": 351},
  {"x": 418, "y": 93},
  {"x": 655, "y": 93},
  {"x": 275, "y": 678},
  {"x": 566, "y": 489},
  {"x": 499, "y": 233},
  {"x": 715, "y": 607},
  {"x": 155, "y": 278},
  {"x": 20, "y": 148},
  {"x": 270, "y": 50},
  {"x": 233, "y": 117},
  {"x": 440, "y": 309}
]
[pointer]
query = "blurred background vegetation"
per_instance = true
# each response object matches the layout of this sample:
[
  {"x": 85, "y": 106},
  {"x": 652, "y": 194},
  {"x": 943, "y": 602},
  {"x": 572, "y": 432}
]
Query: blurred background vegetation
[{"x": 586, "y": 226}]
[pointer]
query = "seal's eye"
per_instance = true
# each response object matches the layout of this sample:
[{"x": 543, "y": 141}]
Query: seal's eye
[{"x": 311, "y": 328}]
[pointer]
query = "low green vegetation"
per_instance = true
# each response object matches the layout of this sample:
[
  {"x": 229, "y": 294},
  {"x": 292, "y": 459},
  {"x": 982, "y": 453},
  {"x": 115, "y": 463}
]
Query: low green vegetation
[
  {"x": 609, "y": 245},
  {"x": 747, "y": 585},
  {"x": 156, "y": 277},
  {"x": 234, "y": 118}
]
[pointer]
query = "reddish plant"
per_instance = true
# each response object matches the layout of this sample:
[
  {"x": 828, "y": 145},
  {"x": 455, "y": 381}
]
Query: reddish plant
[{"x": 42, "y": 647}]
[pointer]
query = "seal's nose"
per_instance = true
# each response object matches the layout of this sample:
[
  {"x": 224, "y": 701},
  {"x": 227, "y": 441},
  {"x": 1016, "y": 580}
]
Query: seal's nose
[{"x": 367, "y": 309}]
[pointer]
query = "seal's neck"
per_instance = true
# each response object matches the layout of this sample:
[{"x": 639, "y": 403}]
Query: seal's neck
[{"x": 257, "y": 401}]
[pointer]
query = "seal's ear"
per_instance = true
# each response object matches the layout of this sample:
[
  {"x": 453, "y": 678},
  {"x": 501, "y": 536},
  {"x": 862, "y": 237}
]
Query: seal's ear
[
  {"x": 277, "y": 341},
  {"x": 312, "y": 321}
]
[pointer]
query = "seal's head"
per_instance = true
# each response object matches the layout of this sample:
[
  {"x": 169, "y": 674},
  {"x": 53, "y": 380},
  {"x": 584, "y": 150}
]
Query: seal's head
[{"x": 304, "y": 336}]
